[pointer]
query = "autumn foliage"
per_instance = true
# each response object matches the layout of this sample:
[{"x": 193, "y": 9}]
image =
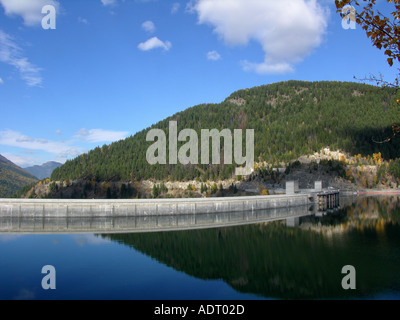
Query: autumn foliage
[{"x": 383, "y": 31}]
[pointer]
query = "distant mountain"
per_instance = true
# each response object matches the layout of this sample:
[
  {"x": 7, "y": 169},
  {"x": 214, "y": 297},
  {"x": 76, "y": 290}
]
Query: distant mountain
[
  {"x": 12, "y": 178},
  {"x": 43, "y": 171}
]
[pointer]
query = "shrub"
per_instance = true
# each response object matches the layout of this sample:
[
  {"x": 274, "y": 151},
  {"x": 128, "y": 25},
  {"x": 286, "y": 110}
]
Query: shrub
[
  {"x": 394, "y": 168},
  {"x": 214, "y": 188}
]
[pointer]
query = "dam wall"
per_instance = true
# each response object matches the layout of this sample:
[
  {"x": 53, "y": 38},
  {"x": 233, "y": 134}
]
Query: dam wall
[
  {"x": 133, "y": 224},
  {"x": 56, "y": 208}
]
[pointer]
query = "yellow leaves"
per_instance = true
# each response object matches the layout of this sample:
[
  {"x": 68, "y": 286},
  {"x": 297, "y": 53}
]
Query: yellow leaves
[
  {"x": 364, "y": 182},
  {"x": 380, "y": 226},
  {"x": 377, "y": 157},
  {"x": 349, "y": 175},
  {"x": 358, "y": 157},
  {"x": 104, "y": 187}
]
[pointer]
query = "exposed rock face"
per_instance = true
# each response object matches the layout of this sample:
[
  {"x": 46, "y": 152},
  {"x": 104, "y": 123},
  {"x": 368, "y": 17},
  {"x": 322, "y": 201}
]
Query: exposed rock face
[{"x": 238, "y": 101}]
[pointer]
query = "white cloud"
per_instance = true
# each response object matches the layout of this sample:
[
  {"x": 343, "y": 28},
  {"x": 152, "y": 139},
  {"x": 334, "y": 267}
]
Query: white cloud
[
  {"x": 287, "y": 30},
  {"x": 175, "y": 8},
  {"x": 29, "y": 10},
  {"x": 10, "y": 53},
  {"x": 17, "y": 139},
  {"x": 33, "y": 148},
  {"x": 267, "y": 68},
  {"x": 89, "y": 239},
  {"x": 83, "y": 20},
  {"x": 21, "y": 161},
  {"x": 213, "y": 55},
  {"x": 1, "y": 81},
  {"x": 9, "y": 237},
  {"x": 108, "y": 2},
  {"x": 100, "y": 135},
  {"x": 149, "y": 26},
  {"x": 155, "y": 43},
  {"x": 190, "y": 6},
  {"x": 72, "y": 152}
]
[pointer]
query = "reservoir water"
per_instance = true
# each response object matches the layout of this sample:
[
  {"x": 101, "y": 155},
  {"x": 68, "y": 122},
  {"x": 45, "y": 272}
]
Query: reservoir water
[{"x": 285, "y": 257}]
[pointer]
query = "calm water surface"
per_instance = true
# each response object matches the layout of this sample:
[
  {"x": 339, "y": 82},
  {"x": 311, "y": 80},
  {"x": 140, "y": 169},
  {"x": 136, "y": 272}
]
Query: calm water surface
[{"x": 258, "y": 261}]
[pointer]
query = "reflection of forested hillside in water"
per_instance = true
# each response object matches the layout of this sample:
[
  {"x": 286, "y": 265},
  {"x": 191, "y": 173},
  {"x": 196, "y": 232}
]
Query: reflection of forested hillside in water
[
  {"x": 364, "y": 213},
  {"x": 273, "y": 260}
]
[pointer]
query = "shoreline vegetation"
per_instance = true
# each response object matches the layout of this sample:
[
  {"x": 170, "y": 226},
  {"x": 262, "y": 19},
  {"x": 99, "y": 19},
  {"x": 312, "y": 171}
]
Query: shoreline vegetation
[{"x": 355, "y": 174}]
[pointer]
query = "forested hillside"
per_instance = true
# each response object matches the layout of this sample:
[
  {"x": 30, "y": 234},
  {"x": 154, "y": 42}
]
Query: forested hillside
[
  {"x": 12, "y": 178},
  {"x": 290, "y": 119}
]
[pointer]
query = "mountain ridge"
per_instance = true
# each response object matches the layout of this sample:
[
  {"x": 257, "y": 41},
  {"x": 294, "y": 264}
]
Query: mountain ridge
[
  {"x": 43, "y": 171},
  {"x": 290, "y": 119},
  {"x": 12, "y": 177}
]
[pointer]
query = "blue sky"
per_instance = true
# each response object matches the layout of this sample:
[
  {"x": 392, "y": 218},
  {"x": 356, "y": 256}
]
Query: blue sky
[{"x": 114, "y": 67}]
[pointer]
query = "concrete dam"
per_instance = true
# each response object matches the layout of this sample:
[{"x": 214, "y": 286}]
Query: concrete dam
[
  {"x": 156, "y": 207},
  {"x": 58, "y": 215},
  {"x": 136, "y": 224},
  {"x": 58, "y": 208}
]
